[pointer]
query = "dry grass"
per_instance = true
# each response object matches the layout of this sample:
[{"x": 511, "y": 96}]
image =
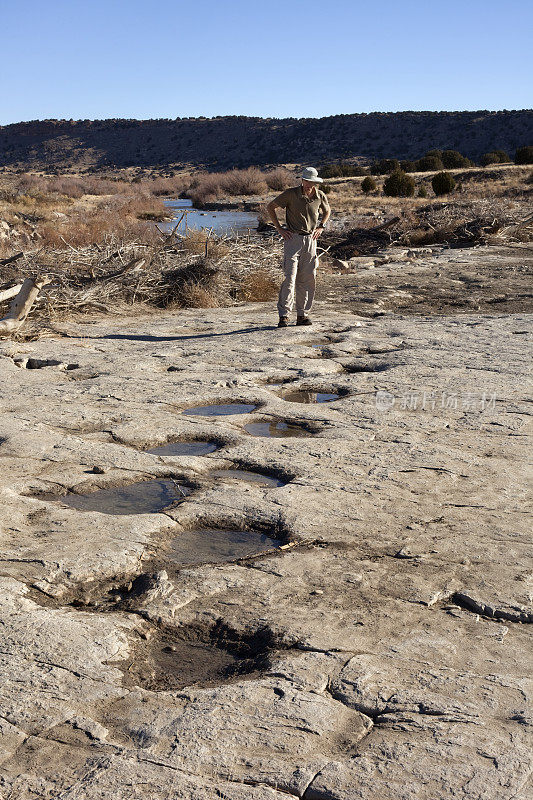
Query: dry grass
[
  {"x": 69, "y": 186},
  {"x": 348, "y": 198},
  {"x": 96, "y": 227},
  {"x": 510, "y": 183},
  {"x": 201, "y": 243},
  {"x": 210, "y": 187},
  {"x": 259, "y": 286},
  {"x": 193, "y": 295},
  {"x": 126, "y": 276},
  {"x": 168, "y": 187},
  {"x": 346, "y": 195},
  {"x": 52, "y": 219}
]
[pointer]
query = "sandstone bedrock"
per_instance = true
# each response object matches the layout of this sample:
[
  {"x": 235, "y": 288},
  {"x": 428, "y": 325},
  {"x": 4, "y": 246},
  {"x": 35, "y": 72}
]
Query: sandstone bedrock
[{"x": 382, "y": 652}]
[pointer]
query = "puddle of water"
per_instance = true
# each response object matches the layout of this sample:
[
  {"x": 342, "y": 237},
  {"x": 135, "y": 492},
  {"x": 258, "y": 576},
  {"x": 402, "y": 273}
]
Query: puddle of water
[
  {"x": 215, "y": 545},
  {"x": 146, "y": 497},
  {"x": 220, "y": 221},
  {"x": 248, "y": 476},
  {"x": 302, "y": 396},
  {"x": 277, "y": 430},
  {"x": 220, "y": 410},
  {"x": 197, "y": 448}
]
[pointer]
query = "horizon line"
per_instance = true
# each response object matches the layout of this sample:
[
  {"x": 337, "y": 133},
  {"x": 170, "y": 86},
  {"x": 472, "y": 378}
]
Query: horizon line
[{"x": 266, "y": 119}]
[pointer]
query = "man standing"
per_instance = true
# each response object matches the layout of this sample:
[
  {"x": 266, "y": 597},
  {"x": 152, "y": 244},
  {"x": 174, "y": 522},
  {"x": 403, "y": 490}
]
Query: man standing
[{"x": 303, "y": 204}]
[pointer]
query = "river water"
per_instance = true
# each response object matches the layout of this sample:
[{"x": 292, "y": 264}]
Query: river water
[{"x": 220, "y": 222}]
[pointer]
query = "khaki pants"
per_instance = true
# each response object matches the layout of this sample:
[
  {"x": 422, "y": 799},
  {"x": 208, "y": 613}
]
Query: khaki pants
[{"x": 300, "y": 262}]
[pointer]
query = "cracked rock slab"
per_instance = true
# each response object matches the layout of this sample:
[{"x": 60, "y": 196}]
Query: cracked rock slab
[
  {"x": 387, "y": 636},
  {"x": 411, "y": 756}
]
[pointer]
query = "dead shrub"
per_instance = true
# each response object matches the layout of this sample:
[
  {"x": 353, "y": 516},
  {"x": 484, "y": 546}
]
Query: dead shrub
[
  {"x": 244, "y": 182},
  {"x": 259, "y": 286},
  {"x": 209, "y": 187},
  {"x": 7, "y": 249},
  {"x": 421, "y": 237},
  {"x": 191, "y": 286},
  {"x": 195, "y": 242},
  {"x": 216, "y": 249},
  {"x": 279, "y": 179},
  {"x": 34, "y": 197},
  {"x": 93, "y": 228},
  {"x": 205, "y": 189},
  {"x": 68, "y": 187},
  {"x": 143, "y": 206},
  {"x": 101, "y": 186},
  {"x": 7, "y": 195},
  {"x": 168, "y": 187},
  {"x": 28, "y": 181},
  {"x": 77, "y": 232},
  {"x": 264, "y": 223},
  {"x": 153, "y": 216},
  {"x": 41, "y": 186},
  {"x": 192, "y": 295}
]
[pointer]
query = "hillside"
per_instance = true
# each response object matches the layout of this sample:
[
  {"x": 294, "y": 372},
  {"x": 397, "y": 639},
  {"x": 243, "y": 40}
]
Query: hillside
[{"x": 224, "y": 142}]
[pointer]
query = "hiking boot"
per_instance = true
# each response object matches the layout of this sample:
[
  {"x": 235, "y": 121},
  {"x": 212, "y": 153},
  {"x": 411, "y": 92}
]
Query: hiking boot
[
  {"x": 283, "y": 322},
  {"x": 303, "y": 321}
]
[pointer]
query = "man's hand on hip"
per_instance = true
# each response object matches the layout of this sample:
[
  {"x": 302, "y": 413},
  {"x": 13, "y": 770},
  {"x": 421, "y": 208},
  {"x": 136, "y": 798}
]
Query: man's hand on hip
[
  {"x": 285, "y": 233},
  {"x": 317, "y": 232}
]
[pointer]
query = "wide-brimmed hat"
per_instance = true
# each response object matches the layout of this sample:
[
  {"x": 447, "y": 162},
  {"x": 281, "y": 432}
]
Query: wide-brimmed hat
[{"x": 310, "y": 174}]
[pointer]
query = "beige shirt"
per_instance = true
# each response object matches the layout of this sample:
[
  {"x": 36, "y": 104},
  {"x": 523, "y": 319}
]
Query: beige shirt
[{"x": 302, "y": 212}]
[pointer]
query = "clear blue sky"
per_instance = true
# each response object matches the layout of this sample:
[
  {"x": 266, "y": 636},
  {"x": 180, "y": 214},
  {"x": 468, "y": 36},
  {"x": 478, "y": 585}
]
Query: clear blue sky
[{"x": 273, "y": 58}]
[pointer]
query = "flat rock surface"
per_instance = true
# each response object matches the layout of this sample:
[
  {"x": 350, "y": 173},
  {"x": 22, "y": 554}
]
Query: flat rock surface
[
  {"x": 379, "y": 649},
  {"x": 422, "y": 280}
]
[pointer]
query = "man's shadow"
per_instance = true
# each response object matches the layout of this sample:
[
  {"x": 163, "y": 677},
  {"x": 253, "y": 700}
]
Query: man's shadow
[{"x": 146, "y": 337}]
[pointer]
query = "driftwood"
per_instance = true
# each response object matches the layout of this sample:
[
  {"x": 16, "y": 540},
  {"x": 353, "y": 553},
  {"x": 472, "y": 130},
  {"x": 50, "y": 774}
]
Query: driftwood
[
  {"x": 358, "y": 241},
  {"x": 7, "y": 294},
  {"x": 384, "y": 225},
  {"x": 11, "y": 259},
  {"x": 469, "y": 232},
  {"x": 134, "y": 264},
  {"x": 512, "y": 231},
  {"x": 525, "y": 222},
  {"x": 81, "y": 280},
  {"x": 21, "y": 305}
]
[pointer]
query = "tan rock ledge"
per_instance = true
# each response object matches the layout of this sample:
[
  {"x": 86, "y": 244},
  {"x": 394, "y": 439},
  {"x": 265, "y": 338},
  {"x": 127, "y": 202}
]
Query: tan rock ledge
[{"x": 381, "y": 655}]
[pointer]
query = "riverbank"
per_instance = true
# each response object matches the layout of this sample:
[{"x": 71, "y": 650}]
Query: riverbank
[
  {"x": 90, "y": 238},
  {"x": 80, "y": 210}
]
